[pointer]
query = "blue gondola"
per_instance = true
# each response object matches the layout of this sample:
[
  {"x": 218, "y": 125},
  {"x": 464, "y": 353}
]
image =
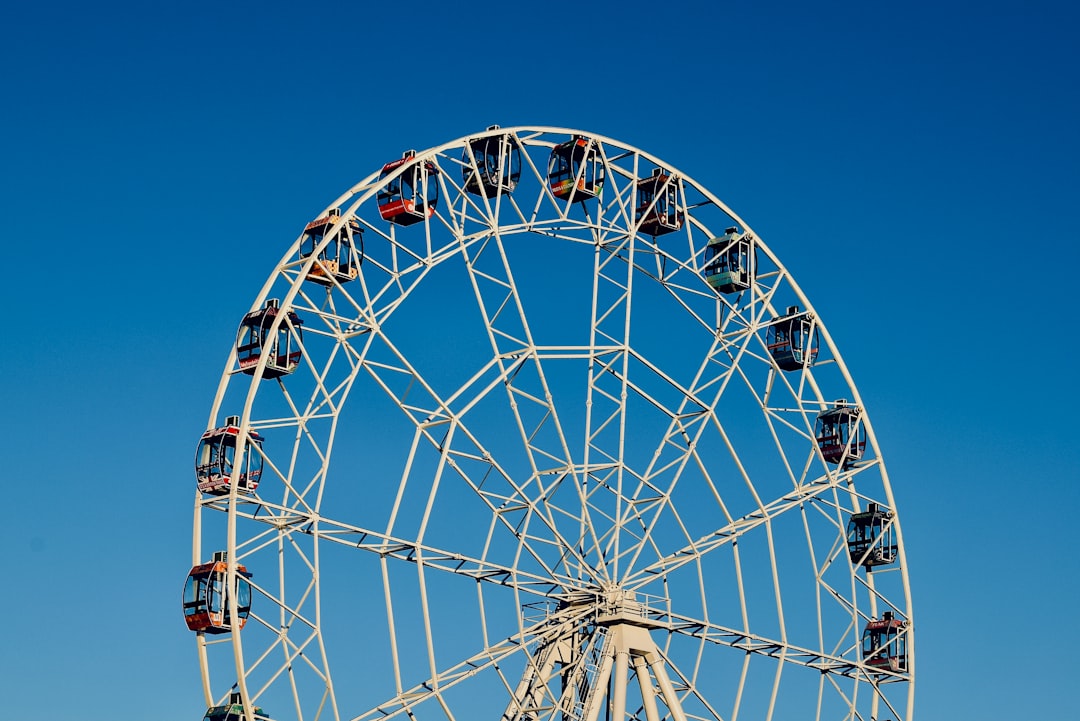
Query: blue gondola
[
  {"x": 257, "y": 337},
  {"x": 207, "y": 605},
  {"x": 884, "y": 644},
  {"x": 871, "y": 540},
  {"x": 340, "y": 259},
  {"x": 730, "y": 261},
  {"x": 791, "y": 340},
  {"x": 215, "y": 459},
  {"x": 576, "y": 170},
  {"x": 497, "y": 165},
  {"x": 233, "y": 711},
  {"x": 840, "y": 435},
  {"x": 658, "y": 204},
  {"x": 412, "y": 196}
]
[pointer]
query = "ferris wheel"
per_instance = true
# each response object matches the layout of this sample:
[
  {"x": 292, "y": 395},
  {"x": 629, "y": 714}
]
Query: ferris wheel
[{"x": 530, "y": 426}]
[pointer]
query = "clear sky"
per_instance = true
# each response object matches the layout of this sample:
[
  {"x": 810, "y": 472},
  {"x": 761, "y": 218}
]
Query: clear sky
[{"x": 916, "y": 166}]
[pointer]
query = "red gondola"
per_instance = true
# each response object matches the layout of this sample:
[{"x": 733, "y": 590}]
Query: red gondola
[
  {"x": 884, "y": 644},
  {"x": 658, "y": 204},
  {"x": 215, "y": 459},
  {"x": 840, "y": 434},
  {"x": 207, "y": 597},
  {"x": 255, "y": 338},
  {"x": 576, "y": 170},
  {"x": 791, "y": 340},
  {"x": 412, "y": 196},
  {"x": 340, "y": 259},
  {"x": 729, "y": 261},
  {"x": 871, "y": 540},
  {"x": 497, "y": 165}
]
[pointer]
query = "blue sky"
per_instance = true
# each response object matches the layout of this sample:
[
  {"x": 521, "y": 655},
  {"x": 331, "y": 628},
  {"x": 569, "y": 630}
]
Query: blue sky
[{"x": 916, "y": 167}]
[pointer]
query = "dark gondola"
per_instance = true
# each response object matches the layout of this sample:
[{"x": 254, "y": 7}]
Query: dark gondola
[
  {"x": 497, "y": 165},
  {"x": 340, "y": 259},
  {"x": 215, "y": 459},
  {"x": 257, "y": 337},
  {"x": 233, "y": 711},
  {"x": 840, "y": 434},
  {"x": 791, "y": 340},
  {"x": 658, "y": 204},
  {"x": 412, "y": 196},
  {"x": 576, "y": 170},
  {"x": 207, "y": 598},
  {"x": 871, "y": 540},
  {"x": 884, "y": 644},
  {"x": 730, "y": 262}
]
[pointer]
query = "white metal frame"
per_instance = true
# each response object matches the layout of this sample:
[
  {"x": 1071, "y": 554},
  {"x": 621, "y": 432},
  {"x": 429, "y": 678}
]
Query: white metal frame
[{"x": 612, "y": 504}]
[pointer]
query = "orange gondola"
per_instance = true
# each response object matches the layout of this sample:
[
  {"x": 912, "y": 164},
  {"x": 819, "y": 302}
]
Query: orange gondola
[
  {"x": 340, "y": 259},
  {"x": 208, "y": 598}
]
